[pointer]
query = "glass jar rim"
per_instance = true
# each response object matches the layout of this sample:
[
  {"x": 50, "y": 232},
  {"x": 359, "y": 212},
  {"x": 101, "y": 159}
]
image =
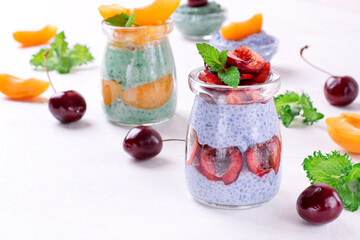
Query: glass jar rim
[
  {"x": 193, "y": 78},
  {"x": 216, "y": 14},
  {"x": 104, "y": 24}
]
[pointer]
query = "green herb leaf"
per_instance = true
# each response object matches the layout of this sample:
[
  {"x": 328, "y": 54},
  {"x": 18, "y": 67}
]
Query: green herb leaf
[
  {"x": 288, "y": 113},
  {"x": 310, "y": 113},
  {"x": 230, "y": 77},
  {"x": 329, "y": 168},
  {"x": 216, "y": 68},
  {"x": 349, "y": 191},
  {"x": 118, "y": 20},
  {"x": 286, "y": 99},
  {"x": 130, "y": 21},
  {"x": 223, "y": 57},
  {"x": 60, "y": 57},
  {"x": 209, "y": 54}
]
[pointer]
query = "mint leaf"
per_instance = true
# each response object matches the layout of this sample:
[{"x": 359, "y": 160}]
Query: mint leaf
[
  {"x": 288, "y": 113},
  {"x": 216, "y": 68},
  {"x": 286, "y": 99},
  {"x": 60, "y": 57},
  {"x": 209, "y": 54},
  {"x": 329, "y": 168},
  {"x": 310, "y": 113},
  {"x": 223, "y": 57},
  {"x": 130, "y": 21},
  {"x": 118, "y": 20},
  {"x": 230, "y": 76},
  {"x": 349, "y": 191}
]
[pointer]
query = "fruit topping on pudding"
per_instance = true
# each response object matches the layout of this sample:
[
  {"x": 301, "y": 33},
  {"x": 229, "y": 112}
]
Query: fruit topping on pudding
[
  {"x": 264, "y": 157},
  {"x": 197, "y": 3},
  {"x": 242, "y": 66},
  {"x": 239, "y": 30},
  {"x": 154, "y": 14},
  {"x": 221, "y": 164}
]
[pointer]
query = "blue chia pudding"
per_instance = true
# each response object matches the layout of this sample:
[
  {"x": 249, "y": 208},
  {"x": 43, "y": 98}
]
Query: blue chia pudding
[
  {"x": 266, "y": 45},
  {"x": 234, "y": 153}
]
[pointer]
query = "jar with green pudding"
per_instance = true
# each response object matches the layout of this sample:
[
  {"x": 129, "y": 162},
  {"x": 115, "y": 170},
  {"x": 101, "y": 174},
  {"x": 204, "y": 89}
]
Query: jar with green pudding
[
  {"x": 138, "y": 74},
  {"x": 198, "y": 21}
]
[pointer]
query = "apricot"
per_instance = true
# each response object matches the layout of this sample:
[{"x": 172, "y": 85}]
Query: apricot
[
  {"x": 156, "y": 13},
  {"x": 239, "y": 30},
  {"x": 110, "y": 91},
  {"x": 150, "y": 95},
  {"x": 345, "y": 131},
  {"x": 18, "y": 88},
  {"x": 34, "y": 38},
  {"x": 108, "y": 11}
]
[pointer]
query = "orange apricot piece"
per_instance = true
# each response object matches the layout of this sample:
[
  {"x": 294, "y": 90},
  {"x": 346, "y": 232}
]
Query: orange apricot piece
[
  {"x": 108, "y": 11},
  {"x": 345, "y": 131},
  {"x": 34, "y": 38},
  {"x": 18, "y": 88},
  {"x": 110, "y": 91},
  {"x": 149, "y": 95},
  {"x": 239, "y": 30},
  {"x": 156, "y": 13}
]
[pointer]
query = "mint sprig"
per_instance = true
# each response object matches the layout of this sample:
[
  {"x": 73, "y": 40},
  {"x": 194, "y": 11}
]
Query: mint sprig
[
  {"x": 217, "y": 63},
  {"x": 291, "y": 104},
  {"x": 339, "y": 172},
  {"x": 60, "y": 57},
  {"x": 122, "y": 20}
]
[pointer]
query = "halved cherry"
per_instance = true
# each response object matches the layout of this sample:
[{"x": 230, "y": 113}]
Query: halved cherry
[
  {"x": 264, "y": 157},
  {"x": 246, "y": 60},
  {"x": 210, "y": 78},
  {"x": 221, "y": 163},
  {"x": 246, "y": 76},
  {"x": 264, "y": 74}
]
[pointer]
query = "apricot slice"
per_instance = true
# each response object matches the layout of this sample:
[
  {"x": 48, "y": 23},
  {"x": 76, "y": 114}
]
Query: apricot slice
[
  {"x": 345, "y": 131},
  {"x": 110, "y": 91},
  {"x": 150, "y": 95},
  {"x": 18, "y": 88},
  {"x": 239, "y": 30},
  {"x": 108, "y": 11},
  {"x": 34, "y": 38},
  {"x": 156, "y": 13}
]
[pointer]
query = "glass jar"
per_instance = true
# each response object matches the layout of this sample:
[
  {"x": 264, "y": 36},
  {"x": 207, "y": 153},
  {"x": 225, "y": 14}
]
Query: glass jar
[
  {"x": 233, "y": 143},
  {"x": 138, "y": 74}
]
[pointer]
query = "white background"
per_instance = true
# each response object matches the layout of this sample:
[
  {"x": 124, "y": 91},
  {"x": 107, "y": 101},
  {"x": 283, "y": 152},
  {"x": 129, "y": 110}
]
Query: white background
[{"x": 74, "y": 182}]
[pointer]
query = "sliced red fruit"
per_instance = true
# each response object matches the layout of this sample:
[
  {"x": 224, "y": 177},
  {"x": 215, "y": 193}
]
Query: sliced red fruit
[
  {"x": 264, "y": 74},
  {"x": 210, "y": 78},
  {"x": 246, "y": 60},
  {"x": 247, "y": 82},
  {"x": 264, "y": 157},
  {"x": 222, "y": 164},
  {"x": 235, "y": 97},
  {"x": 202, "y": 76},
  {"x": 246, "y": 76},
  {"x": 194, "y": 145}
]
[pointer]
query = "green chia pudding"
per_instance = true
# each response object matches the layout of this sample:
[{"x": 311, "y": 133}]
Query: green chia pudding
[
  {"x": 132, "y": 66},
  {"x": 199, "y": 22}
]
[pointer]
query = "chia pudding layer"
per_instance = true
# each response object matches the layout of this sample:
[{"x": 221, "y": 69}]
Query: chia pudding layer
[
  {"x": 244, "y": 126},
  {"x": 262, "y": 43},
  {"x": 199, "y": 21}
]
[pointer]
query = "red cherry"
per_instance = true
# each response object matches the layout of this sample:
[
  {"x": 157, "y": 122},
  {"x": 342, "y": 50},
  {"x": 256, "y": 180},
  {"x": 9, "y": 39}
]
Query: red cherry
[
  {"x": 319, "y": 204},
  {"x": 246, "y": 60},
  {"x": 143, "y": 143},
  {"x": 67, "y": 106},
  {"x": 196, "y": 3},
  {"x": 341, "y": 91}
]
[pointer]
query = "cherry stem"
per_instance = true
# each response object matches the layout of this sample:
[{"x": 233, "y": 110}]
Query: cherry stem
[
  {"x": 47, "y": 70},
  {"x": 320, "y": 69},
  {"x": 173, "y": 139}
]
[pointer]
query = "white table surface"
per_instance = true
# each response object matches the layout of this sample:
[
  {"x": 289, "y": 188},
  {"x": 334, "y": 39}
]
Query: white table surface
[{"x": 74, "y": 182}]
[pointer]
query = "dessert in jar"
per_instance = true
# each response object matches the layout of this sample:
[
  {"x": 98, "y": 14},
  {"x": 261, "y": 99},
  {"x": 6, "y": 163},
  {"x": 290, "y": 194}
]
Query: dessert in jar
[
  {"x": 233, "y": 146},
  {"x": 199, "y": 19},
  {"x": 138, "y": 69},
  {"x": 248, "y": 33}
]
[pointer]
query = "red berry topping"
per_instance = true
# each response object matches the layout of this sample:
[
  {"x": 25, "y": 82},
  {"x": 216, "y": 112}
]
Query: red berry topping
[
  {"x": 264, "y": 74},
  {"x": 210, "y": 78},
  {"x": 264, "y": 157},
  {"x": 246, "y": 60},
  {"x": 319, "y": 204},
  {"x": 221, "y": 164}
]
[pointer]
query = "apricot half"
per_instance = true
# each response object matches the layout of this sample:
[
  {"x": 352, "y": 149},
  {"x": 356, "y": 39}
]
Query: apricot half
[
  {"x": 108, "y": 11},
  {"x": 156, "y": 13},
  {"x": 18, "y": 88},
  {"x": 150, "y": 95},
  {"x": 345, "y": 131},
  {"x": 110, "y": 91},
  {"x": 33, "y": 38},
  {"x": 239, "y": 30}
]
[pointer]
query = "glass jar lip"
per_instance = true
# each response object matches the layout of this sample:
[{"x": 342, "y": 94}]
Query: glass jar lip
[
  {"x": 168, "y": 23},
  {"x": 194, "y": 78},
  {"x": 222, "y": 12}
]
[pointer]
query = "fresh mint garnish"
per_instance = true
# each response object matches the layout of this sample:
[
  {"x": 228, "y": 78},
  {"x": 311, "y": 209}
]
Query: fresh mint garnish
[
  {"x": 217, "y": 63},
  {"x": 339, "y": 172},
  {"x": 122, "y": 20},
  {"x": 60, "y": 57},
  {"x": 291, "y": 104}
]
